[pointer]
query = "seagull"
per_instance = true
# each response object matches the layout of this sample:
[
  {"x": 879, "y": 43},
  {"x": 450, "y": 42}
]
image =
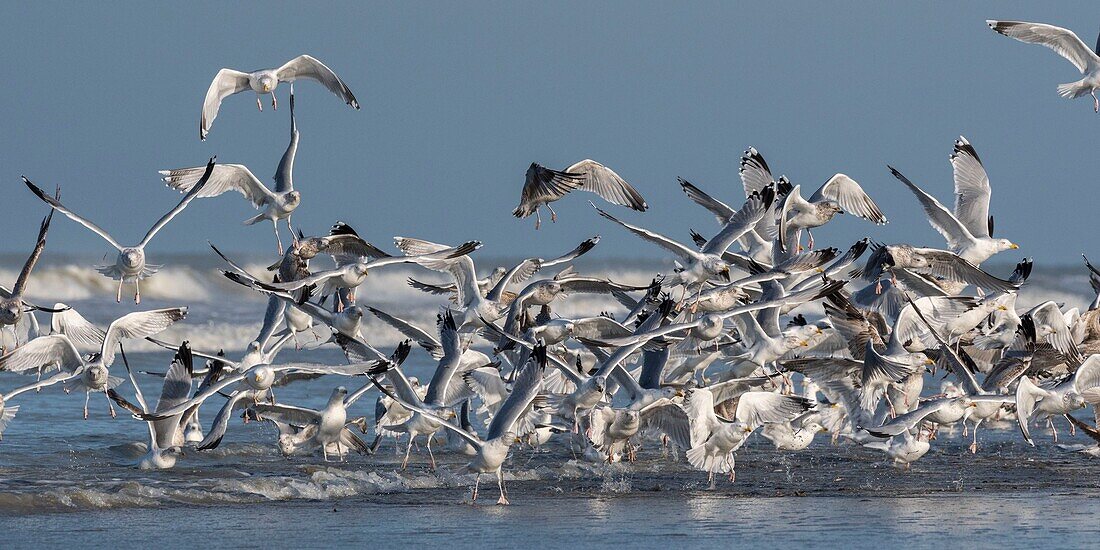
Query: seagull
[
  {"x": 130, "y": 265},
  {"x": 90, "y": 374},
  {"x": 353, "y": 274},
  {"x": 544, "y": 186},
  {"x": 701, "y": 266},
  {"x": 493, "y": 450},
  {"x": 1066, "y": 44},
  {"x": 264, "y": 81},
  {"x": 715, "y": 439},
  {"x": 255, "y": 382},
  {"x": 837, "y": 195},
  {"x": 166, "y": 436},
  {"x": 1076, "y": 391},
  {"x": 944, "y": 266},
  {"x": 329, "y": 424},
  {"x": 277, "y": 205},
  {"x": 968, "y": 230}
]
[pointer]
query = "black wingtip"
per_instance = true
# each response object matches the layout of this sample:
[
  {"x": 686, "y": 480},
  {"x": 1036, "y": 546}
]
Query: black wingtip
[{"x": 342, "y": 228}]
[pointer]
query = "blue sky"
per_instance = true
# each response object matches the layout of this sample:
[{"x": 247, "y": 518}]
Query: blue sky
[{"x": 459, "y": 98}]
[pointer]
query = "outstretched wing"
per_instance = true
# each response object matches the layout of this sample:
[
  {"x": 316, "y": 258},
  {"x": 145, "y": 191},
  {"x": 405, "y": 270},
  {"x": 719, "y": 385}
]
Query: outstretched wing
[
  {"x": 56, "y": 204},
  {"x": 306, "y": 66},
  {"x": 971, "y": 189},
  {"x": 139, "y": 324},
  {"x": 851, "y": 197},
  {"x": 194, "y": 192},
  {"x": 604, "y": 182},
  {"x": 225, "y": 177},
  {"x": 1063, "y": 41},
  {"x": 226, "y": 83}
]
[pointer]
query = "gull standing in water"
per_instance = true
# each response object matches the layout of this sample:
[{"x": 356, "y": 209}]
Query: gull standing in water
[
  {"x": 166, "y": 436},
  {"x": 277, "y": 205},
  {"x": 130, "y": 264},
  {"x": 493, "y": 450},
  {"x": 544, "y": 186},
  {"x": 264, "y": 81},
  {"x": 1066, "y": 44}
]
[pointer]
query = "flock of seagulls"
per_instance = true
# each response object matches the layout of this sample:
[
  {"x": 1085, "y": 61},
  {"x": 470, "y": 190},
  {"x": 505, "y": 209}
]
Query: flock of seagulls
[{"x": 728, "y": 344}]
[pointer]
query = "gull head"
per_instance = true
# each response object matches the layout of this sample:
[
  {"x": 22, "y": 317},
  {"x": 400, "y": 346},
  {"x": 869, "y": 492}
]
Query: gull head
[
  {"x": 1005, "y": 244},
  {"x": 260, "y": 378},
  {"x": 131, "y": 258},
  {"x": 293, "y": 198},
  {"x": 11, "y": 312},
  {"x": 1074, "y": 401},
  {"x": 268, "y": 83}
]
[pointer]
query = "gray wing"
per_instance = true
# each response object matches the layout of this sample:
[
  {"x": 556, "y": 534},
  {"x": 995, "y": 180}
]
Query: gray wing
[
  {"x": 284, "y": 174},
  {"x": 226, "y": 83},
  {"x": 851, "y": 197},
  {"x": 604, "y": 182},
  {"x": 194, "y": 192},
  {"x": 305, "y": 66},
  {"x": 971, "y": 189},
  {"x": 544, "y": 185},
  {"x": 941, "y": 219},
  {"x": 295, "y": 416},
  {"x": 56, "y": 204},
  {"x": 580, "y": 250},
  {"x": 1063, "y": 41},
  {"x": 720, "y": 210},
  {"x": 662, "y": 241},
  {"x": 39, "y": 246},
  {"x": 671, "y": 420},
  {"x": 947, "y": 265},
  {"x": 905, "y": 422},
  {"x": 527, "y": 385},
  {"x": 448, "y": 363},
  {"x": 419, "y": 335},
  {"x": 72, "y": 324},
  {"x": 756, "y": 408},
  {"x": 224, "y": 178},
  {"x": 41, "y": 352},
  {"x": 139, "y": 324},
  {"x": 754, "y": 171},
  {"x": 741, "y": 222}
]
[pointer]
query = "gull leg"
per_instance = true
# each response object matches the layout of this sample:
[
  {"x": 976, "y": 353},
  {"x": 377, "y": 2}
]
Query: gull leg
[
  {"x": 118, "y": 295},
  {"x": 1072, "y": 428},
  {"x": 553, "y": 215},
  {"x": 87, "y": 397},
  {"x": 893, "y": 413},
  {"x": 288, "y": 226},
  {"x": 809, "y": 239},
  {"x": 324, "y": 451},
  {"x": 137, "y": 291},
  {"x": 1053, "y": 430},
  {"x": 974, "y": 445},
  {"x": 430, "y": 455},
  {"x": 477, "y": 481},
  {"x": 1095, "y": 103},
  {"x": 110, "y": 405},
  {"x": 259, "y": 105},
  {"x": 274, "y": 102},
  {"x": 278, "y": 239},
  {"x": 503, "y": 500},
  {"x": 538, "y": 219},
  {"x": 408, "y": 449}
]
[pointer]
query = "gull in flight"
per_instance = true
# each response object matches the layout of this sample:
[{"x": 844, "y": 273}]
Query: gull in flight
[
  {"x": 493, "y": 450},
  {"x": 544, "y": 186},
  {"x": 1066, "y": 44},
  {"x": 838, "y": 195},
  {"x": 130, "y": 264},
  {"x": 968, "y": 230},
  {"x": 91, "y": 373},
  {"x": 277, "y": 205},
  {"x": 327, "y": 427},
  {"x": 264, "y": 81},
  {"x": 166, "y": 436}
]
